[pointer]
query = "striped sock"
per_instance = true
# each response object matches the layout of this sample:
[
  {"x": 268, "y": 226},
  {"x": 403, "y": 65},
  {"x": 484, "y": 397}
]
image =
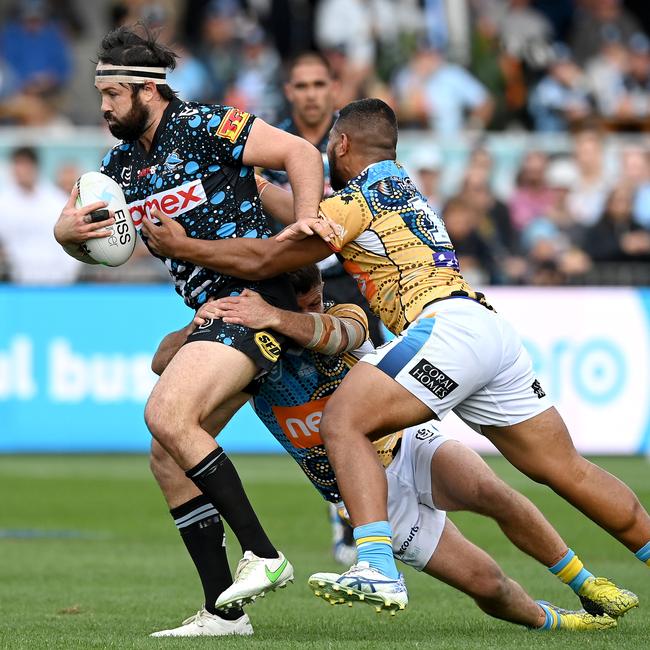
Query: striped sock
[
  {"x": 202, "y": 532},
  {"x": 375, "y": 546},
  {"x": 571, "y": 571},
  {"x": 553, "y": 619},
  {"x": 643, "y": 554}
]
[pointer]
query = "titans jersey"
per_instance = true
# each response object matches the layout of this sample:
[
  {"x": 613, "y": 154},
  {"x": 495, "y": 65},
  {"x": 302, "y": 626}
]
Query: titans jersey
[
  {"x": 291, "y": 400},
  {"x": 394, "y": 245},
  {"x": 194, "y": 174}
]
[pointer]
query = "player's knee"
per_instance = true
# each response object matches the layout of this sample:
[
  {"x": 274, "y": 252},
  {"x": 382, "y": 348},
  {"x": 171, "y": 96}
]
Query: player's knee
[{"x": 158, "y": 418}]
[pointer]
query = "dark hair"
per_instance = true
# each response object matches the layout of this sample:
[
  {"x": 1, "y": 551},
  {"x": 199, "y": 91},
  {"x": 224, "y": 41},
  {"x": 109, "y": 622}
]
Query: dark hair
[
  {"x": 309, "y": 56},
  {"x": 305, "y": 279},
  {"x": 25, "y": 152},
  {"x": 374, "y": 114},
  {"x": 137, "y": 46}
]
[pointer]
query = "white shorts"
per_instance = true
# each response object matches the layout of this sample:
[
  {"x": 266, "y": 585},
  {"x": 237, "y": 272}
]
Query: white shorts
[
  {"x": 417, "y": 524},
  {"x": 460, "y": 355}
]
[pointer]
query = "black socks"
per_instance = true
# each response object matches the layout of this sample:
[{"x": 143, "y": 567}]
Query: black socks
[
  {"x": 202, "y": 532},
  {"x": 217, "y": 478}
]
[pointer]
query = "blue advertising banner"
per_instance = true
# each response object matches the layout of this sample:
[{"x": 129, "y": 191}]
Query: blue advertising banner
[
  {"x": 75, "y": 369},
  {"x": 75, "y": 375}
]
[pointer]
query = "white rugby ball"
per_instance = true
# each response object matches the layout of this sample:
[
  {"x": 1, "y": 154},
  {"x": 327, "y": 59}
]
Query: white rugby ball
[{"x": 116, "y": 248}]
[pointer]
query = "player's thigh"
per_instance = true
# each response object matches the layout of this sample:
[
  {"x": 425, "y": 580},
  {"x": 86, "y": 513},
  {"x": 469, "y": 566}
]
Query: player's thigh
[
  {"x": 202, "y": 376},
  {"x": 461, "y": 479},
  {"x": 540, "y": 446},
  {"x": 464, "y": 565},
  {"x": 370, "y": 401},
  {"x": 221, "y": 415},
  {"x": 448, "y": 353}
]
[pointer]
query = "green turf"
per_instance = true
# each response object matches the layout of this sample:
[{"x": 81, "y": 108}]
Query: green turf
[{"x": 126, "y": 574}]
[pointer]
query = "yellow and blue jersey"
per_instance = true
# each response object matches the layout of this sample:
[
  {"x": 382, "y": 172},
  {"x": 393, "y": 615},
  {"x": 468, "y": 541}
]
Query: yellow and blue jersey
[
  {"x": 291, "y": 400},
  {"x": 394, "y": 245}
]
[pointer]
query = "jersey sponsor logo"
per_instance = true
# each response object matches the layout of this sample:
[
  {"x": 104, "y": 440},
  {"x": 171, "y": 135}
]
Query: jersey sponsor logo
[
  {"x": 301, "y": 424},
  {"x": 267, "y": 345},
  {"x": 232, "y": 124},
  {"x": 172, "y": 202},
  {"x": 538, "y": 390},
  {"x": 407, "y": 542},
  {"x": 147, "y": 171},
  {"x": 433, "y": 379}
]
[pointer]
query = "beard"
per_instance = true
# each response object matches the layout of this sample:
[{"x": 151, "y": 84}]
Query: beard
[
  {"x": 336, "y": 177},
  {"x": 132, "y": 125}
]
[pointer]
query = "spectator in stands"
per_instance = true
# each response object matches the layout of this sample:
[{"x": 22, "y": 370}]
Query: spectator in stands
[
  {"x": 256, "y": 87},
  {"x": 588, "y": 195},
  {"x": 29, "y": 208},
  {"x": 636, "y": 170},
  {"x": 562, "y": 98},
  {"x": 592, "y": 22},
  {"x": 495, "y": 224},
  {"x": 431, "y": 91},
  {"x": 498, "y": 69},
  {"x": 220, "y": 48},
  {"x": 552, "y": 241},
  {"x": 36, "y": 50},
  {"x": 606, "y": 70},
  {"x": 616, "y": 237},
  {"x": 473, "y": 252},
  {"x": 426, "y": 164},
  {"x": 531, "y": 197},
  {"x": 521, "y": 27},
  {"x": 634, "y": 102}
]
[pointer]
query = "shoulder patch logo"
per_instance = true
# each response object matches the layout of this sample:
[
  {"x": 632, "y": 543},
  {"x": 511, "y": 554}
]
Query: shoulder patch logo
[
  {"x": 538, "y": 390},
  {"x": 232, "y": 124},
  {"x": 268, "y": 346}
]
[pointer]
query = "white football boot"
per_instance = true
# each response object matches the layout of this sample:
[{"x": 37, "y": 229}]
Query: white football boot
[
  {"x": 205, "y": 624},
  {"x": 361, "y": 584},
  {"x": 255, "y": 576}
]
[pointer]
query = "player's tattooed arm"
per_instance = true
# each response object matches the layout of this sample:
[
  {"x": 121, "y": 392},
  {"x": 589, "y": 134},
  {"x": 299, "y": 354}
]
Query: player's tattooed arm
[
  {"x": 250, "y": 259},
  {"x": 320, "y": 332}
]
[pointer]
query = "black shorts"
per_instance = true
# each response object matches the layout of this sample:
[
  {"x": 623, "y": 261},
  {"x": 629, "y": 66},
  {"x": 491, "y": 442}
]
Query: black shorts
[{"x": 263, "y": 347}]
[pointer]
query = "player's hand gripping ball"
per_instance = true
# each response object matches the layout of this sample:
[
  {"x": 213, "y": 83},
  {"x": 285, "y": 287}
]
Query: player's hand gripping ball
[{"x": 116, "y": 248}]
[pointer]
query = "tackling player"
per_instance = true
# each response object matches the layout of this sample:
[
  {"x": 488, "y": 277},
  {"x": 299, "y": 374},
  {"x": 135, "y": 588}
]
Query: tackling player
[
  {"x": 426, "y": 471},
  {"x": 311, "y": 92},
  {"x": 451, "y": 351},
  {"x": 194, "y": 162}
]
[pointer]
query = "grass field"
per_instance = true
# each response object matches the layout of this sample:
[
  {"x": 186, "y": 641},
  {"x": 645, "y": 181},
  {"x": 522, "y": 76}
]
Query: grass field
[{"x": 89, "y": 558}]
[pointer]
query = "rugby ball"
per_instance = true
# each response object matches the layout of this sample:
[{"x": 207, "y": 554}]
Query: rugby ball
[{"x": 116, "y": 248}]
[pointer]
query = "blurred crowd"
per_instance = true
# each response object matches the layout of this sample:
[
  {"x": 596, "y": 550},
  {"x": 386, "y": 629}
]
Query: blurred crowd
[{"x": 450, "y": 67}]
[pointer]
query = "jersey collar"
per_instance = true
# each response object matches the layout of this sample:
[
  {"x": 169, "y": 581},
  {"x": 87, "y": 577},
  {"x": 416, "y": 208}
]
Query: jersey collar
[{"x": 172, "y": 107}]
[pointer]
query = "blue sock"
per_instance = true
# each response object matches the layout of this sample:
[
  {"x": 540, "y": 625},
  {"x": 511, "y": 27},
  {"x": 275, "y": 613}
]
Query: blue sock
[
  {"x": 553, "y": 619},
  {"x": 374, "y": 545},
  {"x": 643, "y": 554},
  {"x": 571, "y": 571}
]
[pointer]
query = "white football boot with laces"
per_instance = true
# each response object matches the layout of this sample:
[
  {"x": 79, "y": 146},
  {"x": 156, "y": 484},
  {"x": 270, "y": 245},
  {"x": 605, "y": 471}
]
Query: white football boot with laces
[
  {"x": 363, "y": 584},
  {"x": 205, "y": 624},
  {"x": 255, "y": 576}
]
